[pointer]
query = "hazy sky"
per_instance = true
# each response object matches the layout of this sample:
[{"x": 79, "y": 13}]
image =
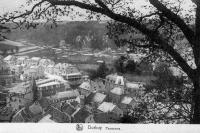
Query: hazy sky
[{"x": 11, "y": 5}]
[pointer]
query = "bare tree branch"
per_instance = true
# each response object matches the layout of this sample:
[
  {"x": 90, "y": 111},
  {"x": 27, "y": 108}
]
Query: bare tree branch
[
  {"x": 175, "y": 19},
  {"x": 101, "y": 4}
]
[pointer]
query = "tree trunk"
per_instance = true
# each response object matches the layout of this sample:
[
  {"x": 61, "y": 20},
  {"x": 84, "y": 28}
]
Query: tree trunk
[{"x": 196, "y": 103}]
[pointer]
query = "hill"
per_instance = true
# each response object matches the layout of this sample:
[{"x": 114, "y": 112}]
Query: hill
[{"x": 68, "y": 31}]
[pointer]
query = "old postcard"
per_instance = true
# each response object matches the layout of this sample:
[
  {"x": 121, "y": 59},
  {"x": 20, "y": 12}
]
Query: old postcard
[{"x": 99, "y": 65}]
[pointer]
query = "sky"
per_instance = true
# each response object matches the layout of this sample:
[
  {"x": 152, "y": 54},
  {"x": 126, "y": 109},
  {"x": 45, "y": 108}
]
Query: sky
[{"x": 12, "y": 5}]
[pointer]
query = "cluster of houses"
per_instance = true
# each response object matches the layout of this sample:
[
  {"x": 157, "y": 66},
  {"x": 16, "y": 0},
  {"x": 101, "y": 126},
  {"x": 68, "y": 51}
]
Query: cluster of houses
[
  {"x": 100, "y": 101},
  {"x": 25, "y": 68}
]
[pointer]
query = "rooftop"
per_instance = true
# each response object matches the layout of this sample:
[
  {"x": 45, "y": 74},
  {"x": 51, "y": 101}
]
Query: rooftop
[
  {"x": 42, "y": 81},
  {"x": 117, "y": 91},
  {"x": 20, "y": 88},
  {"x": 99, "y": 97},
  {"x": 134, "y": 85},
  {"x": 68, "y": 109},
  {"x": 66, "y": 94},
  {"x": 46, "y": 119},
  {"x": 106, "y": 107},
  {"x": 36, "y": 58},
  {"x": 74, "y": 74},
  {"x": 126, "y": 100},
  {"x": 35, "y": 108},
  {"x": 22, "y": 57},
  {"x": 85, "y": 85},
  {"x": 116, "y": 79},
  {"x": 49, "y": 84},
  {"x": 8, "y": 58},
  {"x": 50, "y": 66},
  {"x": 34, "y": 67},
  {"x": 55, "y": 77},
  {"x": 81, "y": 115}
]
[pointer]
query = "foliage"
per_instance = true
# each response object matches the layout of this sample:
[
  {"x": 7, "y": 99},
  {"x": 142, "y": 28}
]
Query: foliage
[
  {"x": 75, "y": 34},
  {"x": 3, "y": 30},
  {"x": 125, "y": 65},
  {"x": 130, "y": 66},
  {"x": 166, "y": 100},
  {"x": 128, "y": 119},
  {"x": 35, "y": 91},
  {"x": 119, "y": 64},
  {"x": 170, "y": 87},
  {"x": 135, "y": 115},
  {"x": 101, "y": 72}
]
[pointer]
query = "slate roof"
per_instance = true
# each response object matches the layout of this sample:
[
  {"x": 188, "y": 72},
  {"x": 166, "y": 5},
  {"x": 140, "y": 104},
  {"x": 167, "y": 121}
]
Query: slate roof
[
  {"x": 9, "y": 57},
  {"x": 35, "y": 108},
  {"x": 46, "y": 119},
  {"x": 66, "y": 94},
  {"x": 81, "y": 115},
  {"x": 97, "y": 97},
  {"x": 117, "y": 91},
  {"x": 44, "y": 102},
  {"x": 68, "y": 109},
  {"x": 36, "y": 58},
  {"x": 49, "y": 84},
  {"x": 86, "y": 86},
  {"x": 92, "y": 86},
  {"x": 106, "y": 107},
  {"x": 127, "y": 100}
]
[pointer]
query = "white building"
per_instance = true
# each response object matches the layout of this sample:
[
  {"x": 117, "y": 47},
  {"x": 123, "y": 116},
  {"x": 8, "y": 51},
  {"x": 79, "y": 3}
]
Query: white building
[
  {"x": 65, "y": 96},
  {"x": 35, "y": 61},
  {"x": 22, "y": 60},
  {"x": 107, "y": 107},
  {"x": 10, "y": 59},
  {"x": 114, "y": 80}
]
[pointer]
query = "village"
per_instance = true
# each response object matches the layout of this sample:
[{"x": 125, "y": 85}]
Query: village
[
  {"x": 35, "y": 89},
  {"x": 102, "y": 61}
]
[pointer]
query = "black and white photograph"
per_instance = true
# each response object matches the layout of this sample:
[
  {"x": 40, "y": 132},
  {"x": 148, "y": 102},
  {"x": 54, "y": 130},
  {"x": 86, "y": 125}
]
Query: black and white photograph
[{"x": 99, "y": 64}]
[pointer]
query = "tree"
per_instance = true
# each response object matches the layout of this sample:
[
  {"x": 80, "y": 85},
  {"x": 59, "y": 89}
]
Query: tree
[
  {"x": 101, "y": 72},
  {"x": 85, "y": 34},
  {"x": 119, "y": 64},
  {"x": 130, "y": 66},
  {"x": 125, "y": 65},
  {"x": 35, "y": 91},
  {"x": 97, "y": 41},
  {"x": 171, "y": 88},
  {"x": 3, "y": 30},
  {"x": 76, "y": 35},
  {"x": 159, "y": 26}
]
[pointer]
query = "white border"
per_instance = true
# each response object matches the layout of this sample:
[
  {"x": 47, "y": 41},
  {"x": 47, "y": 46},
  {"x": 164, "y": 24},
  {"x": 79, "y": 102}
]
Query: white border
[{"x": 71, "y": 128}]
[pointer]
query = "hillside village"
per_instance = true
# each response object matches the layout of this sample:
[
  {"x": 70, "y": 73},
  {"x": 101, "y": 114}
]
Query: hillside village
[
  {"x": 35, "y": 89},
  {"x": 52, "y": 84}
]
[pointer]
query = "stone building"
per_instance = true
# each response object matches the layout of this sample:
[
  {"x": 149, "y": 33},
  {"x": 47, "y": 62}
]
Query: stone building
[
  {"x": 113, "y": 81},
  {"x": 116, "y": 94},
  {"x": 6, "y": 77},
  {"x": 107, "y": 107}
]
